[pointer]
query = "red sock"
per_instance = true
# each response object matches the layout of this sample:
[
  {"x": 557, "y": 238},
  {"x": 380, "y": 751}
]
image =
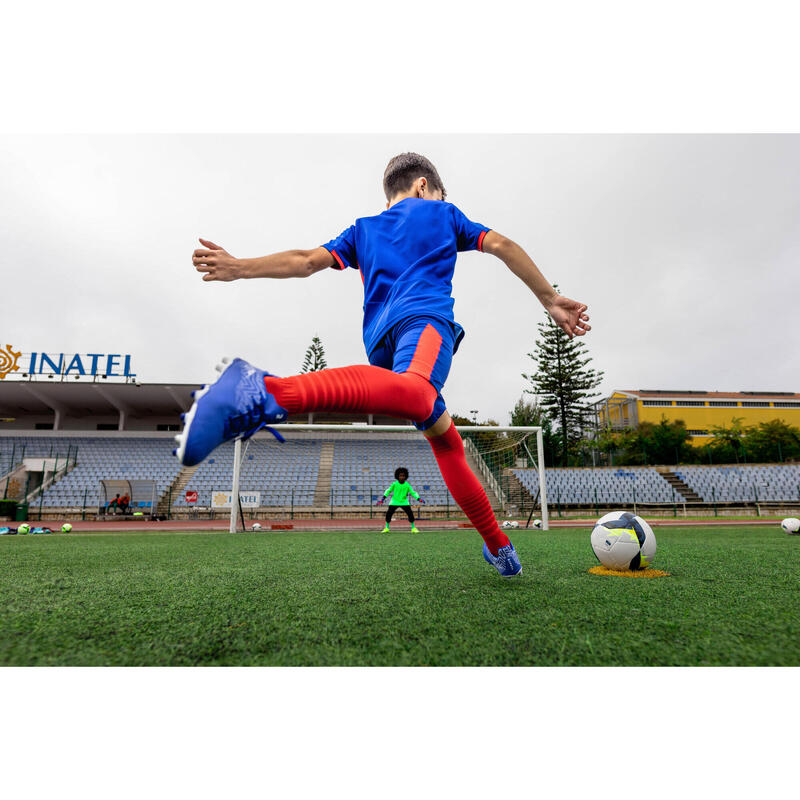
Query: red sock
[
  {"x": 371, "y": 390},
  {"x": 466, "y": 488}
]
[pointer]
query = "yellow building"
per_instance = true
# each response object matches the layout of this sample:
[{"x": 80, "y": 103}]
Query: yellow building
[{"x": 700, "y": 411}]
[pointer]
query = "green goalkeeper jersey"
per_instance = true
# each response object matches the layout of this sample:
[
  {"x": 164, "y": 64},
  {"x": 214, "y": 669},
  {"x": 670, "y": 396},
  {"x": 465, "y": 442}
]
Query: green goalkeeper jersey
[{"x": 400, "y": 492}]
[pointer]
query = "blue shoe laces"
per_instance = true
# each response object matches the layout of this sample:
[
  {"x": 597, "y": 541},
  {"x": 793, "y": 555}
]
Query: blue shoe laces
[{"x": 246, "y": 424}]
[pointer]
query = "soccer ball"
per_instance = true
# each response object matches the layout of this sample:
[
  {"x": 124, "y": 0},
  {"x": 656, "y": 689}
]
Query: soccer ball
[
  {"x": 537, "y": 523},
  {"x": 66, "y": 527},
  {"x": 24, "y": 528},
  {"x": 622, "y": 540},
  {"x": 256, "y": 526},
  {"x": 510, "y": 523},
  {"x": 791, "y": 525}
]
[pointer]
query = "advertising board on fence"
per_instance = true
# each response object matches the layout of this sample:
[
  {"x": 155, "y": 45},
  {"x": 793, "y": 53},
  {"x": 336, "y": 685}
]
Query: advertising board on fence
[
  {"x": 222, "y": 499},
  {"x": 191, "y": 497}
]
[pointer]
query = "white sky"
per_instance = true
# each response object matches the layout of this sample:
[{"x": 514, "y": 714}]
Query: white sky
[{"x": 685, "y": 248}]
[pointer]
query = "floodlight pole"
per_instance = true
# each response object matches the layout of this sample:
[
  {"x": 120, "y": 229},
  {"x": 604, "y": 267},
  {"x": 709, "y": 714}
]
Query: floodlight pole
[
  {"x": 542, "y": 482},
  {"x": 237, "y": 469}
]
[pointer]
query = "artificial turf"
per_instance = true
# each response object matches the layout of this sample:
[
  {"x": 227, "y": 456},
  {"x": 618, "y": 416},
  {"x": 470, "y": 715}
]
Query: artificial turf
[{"x": 334, "y": 598}]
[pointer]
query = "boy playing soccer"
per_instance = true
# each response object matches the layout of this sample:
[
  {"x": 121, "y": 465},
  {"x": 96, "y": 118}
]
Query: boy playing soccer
[
  {"x": 399, "y": 492},
  {"x": 406, "y": 256}
]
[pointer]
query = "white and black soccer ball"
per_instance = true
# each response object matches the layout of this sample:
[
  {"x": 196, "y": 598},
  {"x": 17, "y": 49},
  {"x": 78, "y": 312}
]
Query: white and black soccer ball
[
  {"x": 510, "y": 523},
  {"x": 256, "y": 526},
  {"x": 622, "y": 540},
  {"x": 537, "y": 523},
  {"x": 791, "y": 525}
]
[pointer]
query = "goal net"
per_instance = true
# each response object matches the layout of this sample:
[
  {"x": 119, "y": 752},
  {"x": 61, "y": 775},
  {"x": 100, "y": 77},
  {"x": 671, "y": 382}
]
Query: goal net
[{"x": 345, "y": 470}]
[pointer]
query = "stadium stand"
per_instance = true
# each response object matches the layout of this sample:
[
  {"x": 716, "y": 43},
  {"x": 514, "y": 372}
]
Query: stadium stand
[
  {"x": 363, "y": 470},
  {"x": 745, "y": 483},
  {"x": 612, "y": 484},
  {"x": 359, "y": 470},
  {"x": 98, "y": 458},
  {"x": 268, "y": 467}
]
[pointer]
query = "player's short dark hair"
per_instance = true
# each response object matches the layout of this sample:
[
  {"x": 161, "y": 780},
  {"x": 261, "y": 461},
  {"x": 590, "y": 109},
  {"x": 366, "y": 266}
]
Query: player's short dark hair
[
  {"x": 398, "y": 472},
  {"x": 404, "y": 169}
]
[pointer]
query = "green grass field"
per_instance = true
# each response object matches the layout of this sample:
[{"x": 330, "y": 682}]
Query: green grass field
[{"x": 366, "y": 599}]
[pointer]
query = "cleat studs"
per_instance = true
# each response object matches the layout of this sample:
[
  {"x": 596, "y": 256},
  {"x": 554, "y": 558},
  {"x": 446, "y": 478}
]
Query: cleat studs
[
  {"x": 177, "y": 438},
  {"x": 219, "y": 367},
  {"x": 193, "y": 394},
  {"x": 183, "y": 417},
  {"x": 226, "y": 360},
  {"x": 175, "y": 451}
]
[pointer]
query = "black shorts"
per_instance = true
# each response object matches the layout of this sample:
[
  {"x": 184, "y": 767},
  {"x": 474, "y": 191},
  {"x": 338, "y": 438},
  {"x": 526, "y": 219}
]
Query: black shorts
[{"x": 390, "y": 513}]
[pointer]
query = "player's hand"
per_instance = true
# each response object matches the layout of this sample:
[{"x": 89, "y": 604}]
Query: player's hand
[
  {"x": 420, "y": 501},
  {"x": 216, "y": 263},
  {"x": 380, "y": 502},
  {"x": 569, "y": 315}
]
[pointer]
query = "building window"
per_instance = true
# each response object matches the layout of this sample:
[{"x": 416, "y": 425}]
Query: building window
[
  {"x": 723, "y": 404},
  {"x": 698, "y": 432},
  {"x": 690, "y": 402},
  {"x": 754, "y": 404},
  {"x": 43, "y": 426},
  {"x": 656, "y": 402},
  {"x": 786, "y": 405},
  {"x": 107, "y": 426}
]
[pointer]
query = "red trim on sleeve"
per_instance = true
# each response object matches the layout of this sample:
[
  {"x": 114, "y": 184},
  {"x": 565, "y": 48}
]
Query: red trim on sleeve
[
  {"x": 339, "y": 260},
  {"x": 480, "y": 240}
]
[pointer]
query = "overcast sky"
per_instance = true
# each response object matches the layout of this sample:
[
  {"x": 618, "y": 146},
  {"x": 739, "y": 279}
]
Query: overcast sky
[{"x": 685, "y": 248}]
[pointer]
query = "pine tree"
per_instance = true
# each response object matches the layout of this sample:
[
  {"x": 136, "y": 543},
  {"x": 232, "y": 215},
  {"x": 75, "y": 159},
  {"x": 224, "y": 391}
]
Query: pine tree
[
  {"x": 563, "y": 383},
  {"x": 314, "y": 359},
  {"x": 533, "y": 415}
]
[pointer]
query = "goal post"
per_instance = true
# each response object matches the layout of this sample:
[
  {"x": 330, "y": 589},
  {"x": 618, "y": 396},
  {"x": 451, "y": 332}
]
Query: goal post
[
  {"x": 237, "y": 472},
  {"x": 494, "y": 449}
]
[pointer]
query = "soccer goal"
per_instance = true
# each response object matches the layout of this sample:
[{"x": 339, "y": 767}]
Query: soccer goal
[{"x": 357, "y": 461}]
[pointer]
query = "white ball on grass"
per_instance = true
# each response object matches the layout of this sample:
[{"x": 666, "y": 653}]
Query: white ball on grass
[
  {"x": 791, "y": 525},
  {"x": 622, "y": 541}
]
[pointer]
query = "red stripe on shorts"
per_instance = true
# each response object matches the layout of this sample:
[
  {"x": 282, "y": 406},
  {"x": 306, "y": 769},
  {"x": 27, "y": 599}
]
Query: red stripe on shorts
[{"x": 426, "y": 353}]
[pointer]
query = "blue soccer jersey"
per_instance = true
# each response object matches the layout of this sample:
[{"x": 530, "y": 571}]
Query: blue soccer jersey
[{"x": 406, "y": 256}]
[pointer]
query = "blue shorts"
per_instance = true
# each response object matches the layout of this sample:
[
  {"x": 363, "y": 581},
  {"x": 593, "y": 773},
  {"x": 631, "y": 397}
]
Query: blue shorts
[{"x": 424, "y": 346}]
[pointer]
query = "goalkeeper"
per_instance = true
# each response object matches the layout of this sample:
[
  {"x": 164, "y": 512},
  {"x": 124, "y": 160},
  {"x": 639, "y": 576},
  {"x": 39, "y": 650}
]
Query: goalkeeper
[
  {"x": 399, "y": 491},
  {"x": 406, "y": 257}
]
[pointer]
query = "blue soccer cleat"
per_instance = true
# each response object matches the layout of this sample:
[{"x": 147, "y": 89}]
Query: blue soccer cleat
[
  {"x": 506, "y": 562},
  {"x": 234, "y": 407}
]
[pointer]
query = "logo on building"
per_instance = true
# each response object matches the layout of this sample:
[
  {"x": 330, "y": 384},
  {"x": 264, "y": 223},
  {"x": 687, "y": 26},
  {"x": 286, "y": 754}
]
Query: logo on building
[
  {"x": 105, "y": 365},
  {"x": 8, "y": 361}
]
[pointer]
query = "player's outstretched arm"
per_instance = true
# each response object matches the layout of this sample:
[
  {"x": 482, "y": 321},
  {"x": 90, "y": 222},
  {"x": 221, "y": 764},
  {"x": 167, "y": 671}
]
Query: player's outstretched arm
[
  {"x": 218, "y": 264},
  {"x": 569, "y": 315}
]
